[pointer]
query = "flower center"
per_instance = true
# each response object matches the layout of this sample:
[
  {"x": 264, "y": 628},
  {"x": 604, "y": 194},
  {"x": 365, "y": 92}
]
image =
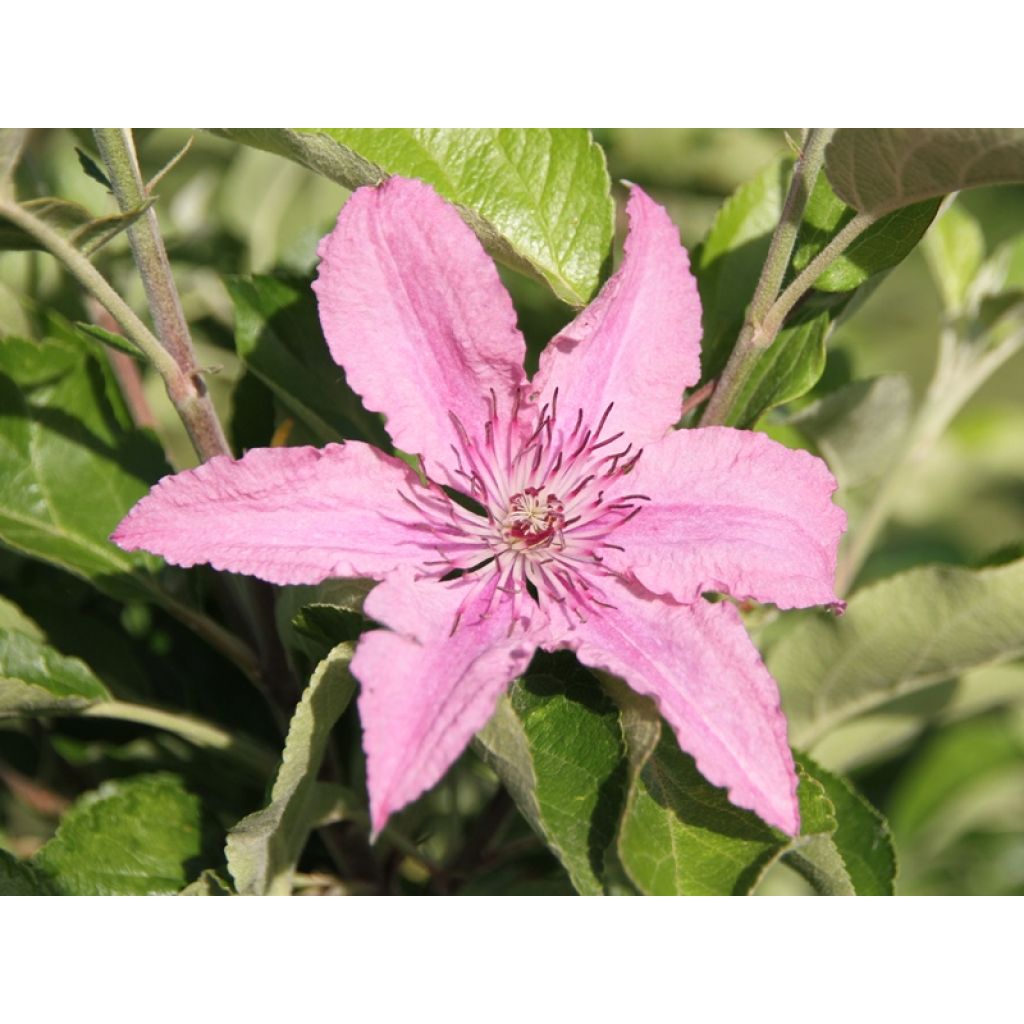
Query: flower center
[{"x": 533, "y": 519}]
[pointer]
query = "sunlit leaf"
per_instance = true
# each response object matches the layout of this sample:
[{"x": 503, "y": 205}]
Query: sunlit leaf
[
  {"x": 130, "y": 837},
  {"x": 538, "y": 198}
]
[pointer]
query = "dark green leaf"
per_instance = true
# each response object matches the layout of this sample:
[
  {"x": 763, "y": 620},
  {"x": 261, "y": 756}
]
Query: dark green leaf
[
  {"x": 558, "y": 748},
  {"x": 538, "y": 198},
  {"x": 882, "y": 246},
  {"x": 278, "y": 336},
  {"x": 75, "y": 222},
  {"x": 19, "y": 878},
  {"x": 91, "y": 168},
  {"x": 898, "y": 636},
  {"x": 263, "y": 848},
  {"x": 131, "y": 837},
  {"x": 35, "y": 679},
  {"x": 115, "y": 341},
  {"x": 789, "y": 368},
  {"x": 856, "y": 856},
  {"x": 71, "y": 462},
  {"x": 877, "y": 170}
]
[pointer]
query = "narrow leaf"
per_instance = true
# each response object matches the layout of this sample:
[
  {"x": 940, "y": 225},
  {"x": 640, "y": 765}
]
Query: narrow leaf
[
  {"x": 72, "y": 220},
  {"x": 263, "y": 848},
  {"x": 538, "y": 198},
  {"x": 877, "y": 170},
  {"x": 131, "y": 837}
]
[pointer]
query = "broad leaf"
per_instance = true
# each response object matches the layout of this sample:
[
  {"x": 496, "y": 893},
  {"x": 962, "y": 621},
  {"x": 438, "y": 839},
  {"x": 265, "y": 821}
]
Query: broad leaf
[
  {"x": 883, "y": 245},
  {"x": 131, "y": 837},
  {"x": 12, "y": 618},
  {"x": 71, "y": 462},
  {"x": 538, "y": 198},
  {"x": 859, "y": 428},
  {"x": 877, "y": 170},
  {"x": 73, "y": 221},
  {"x": 35, "y": 679},
  {"x": 898, "y": 636},
  {"x": 558, "y": 749},
  {"x": 278, "y": 336},
  {"x": 263, "y": 848}
]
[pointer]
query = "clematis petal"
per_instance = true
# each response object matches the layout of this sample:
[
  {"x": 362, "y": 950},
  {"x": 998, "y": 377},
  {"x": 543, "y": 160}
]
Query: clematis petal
[
  {"x": 638, "y": 343},
  {"x": 413, "y": 309},
  {"x": 287, "y": 515},
  {"x": 709, "y": 683},
  {"x": 426, "y": 688},
  {"x": 735, "y": 512}
]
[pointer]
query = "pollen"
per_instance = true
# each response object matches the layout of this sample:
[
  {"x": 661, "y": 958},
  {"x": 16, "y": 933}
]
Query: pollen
[{"x": 534, "y": 519}]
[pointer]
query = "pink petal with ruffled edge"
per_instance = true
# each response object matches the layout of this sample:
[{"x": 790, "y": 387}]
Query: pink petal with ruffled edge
[
  {"x": 287, "y": 515},
  {"x": 413, "y": 309},
  {"x": 735, "y": 512},
  {"x": 709, "y": 683},
  {"x": 638, "y": 343},
  {"x": 425, "y": 689}
]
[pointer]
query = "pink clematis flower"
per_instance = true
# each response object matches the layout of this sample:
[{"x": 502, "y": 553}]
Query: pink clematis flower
[{"x": 596, "y": 526}]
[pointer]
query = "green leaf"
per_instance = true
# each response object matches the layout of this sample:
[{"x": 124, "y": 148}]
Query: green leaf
[
  {"x": 131, "y": 837},
  {"x": 859, "y": 428},
  {"x": 789, "y": 368},
  {"x": 856, "y": 856},
  {"x": 278, "y": 336},
  {"x": 898, "y": 636},
  {"x": 19, "y": 878},
  {"x": 729, "y": 261},
  {"x": 12, "y": 142},
  {"x": 877, "y": 170},
  {"x": 71, "y": 462},
  {"x": 537, "y": 198},
  {"x": 263, "y": 848},
  {"x": 955, "y": 248},
  {"x": 557, "y": 747},
  {"x": 72, "y": 220},
  {"x": 882, "y": 246},
  {"x": 35, "y": 679},
  {"x": 12, "y": 618}
]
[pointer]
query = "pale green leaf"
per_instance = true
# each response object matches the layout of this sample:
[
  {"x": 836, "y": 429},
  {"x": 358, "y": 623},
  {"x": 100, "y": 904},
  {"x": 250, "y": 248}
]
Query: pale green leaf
[
  {"x": 73, "y": 221},
  {"x": 131, "y": 837},
  {"x": 876, "y": 170},
  {"x": 263, "y": 848},
  {"x": 955, "y": 248},
  {"x": 14, "y": 619},
  {"x": 859, "y": 428},
  {"x": 898, "y": 636},
  {"x": 209, "y": 883},
  {"x": 36, "y": 679},
  {"x": 537, "y": 198}
]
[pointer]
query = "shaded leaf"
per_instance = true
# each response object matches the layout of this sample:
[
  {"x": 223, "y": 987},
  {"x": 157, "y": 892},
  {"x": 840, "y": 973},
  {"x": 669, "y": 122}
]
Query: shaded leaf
[
  {"x": 12, "y": 142},
  {"x": 131, "y": 837},
  {"x": 537, "y": 198},
  {"x": 955, "y": 248},
  {"x": 20, "y": 878},
  {"x": 115, "y": 341},
  {"x": 558, "y": 748},
  {"x": 35, "y": 679},
  {"x": 71, "y": 462},
  {"x": 898, "y": 636},
  {"x": 858, "y": 429},
  {"x": 278, "y": 336},
  {"x": 263, "y": 848},
  {"x": 876, "y": 170}
]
